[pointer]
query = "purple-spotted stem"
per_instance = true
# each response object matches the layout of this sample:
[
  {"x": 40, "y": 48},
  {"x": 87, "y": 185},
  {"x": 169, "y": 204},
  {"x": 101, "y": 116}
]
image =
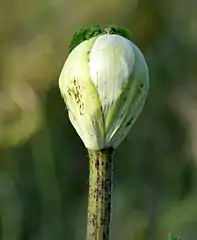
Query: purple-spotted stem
[{"x": 100, "y": 194}]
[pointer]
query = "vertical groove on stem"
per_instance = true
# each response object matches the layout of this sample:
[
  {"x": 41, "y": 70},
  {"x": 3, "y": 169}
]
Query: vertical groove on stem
[{"x": 100, "y": 190}]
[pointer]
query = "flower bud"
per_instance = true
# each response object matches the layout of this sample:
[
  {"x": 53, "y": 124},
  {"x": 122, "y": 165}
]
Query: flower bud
[{"x": 104, "y": 83}]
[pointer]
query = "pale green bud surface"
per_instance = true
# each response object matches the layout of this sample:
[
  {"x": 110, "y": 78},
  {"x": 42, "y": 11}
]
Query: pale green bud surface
[{"x": 104, "y": 83}]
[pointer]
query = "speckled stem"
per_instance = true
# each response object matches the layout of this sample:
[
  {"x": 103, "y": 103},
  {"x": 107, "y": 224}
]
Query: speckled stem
[{"x": 100, "y": 190}]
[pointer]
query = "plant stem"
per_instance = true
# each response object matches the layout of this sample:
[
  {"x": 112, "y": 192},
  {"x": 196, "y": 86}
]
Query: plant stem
[{"x": 100, "y": 188}]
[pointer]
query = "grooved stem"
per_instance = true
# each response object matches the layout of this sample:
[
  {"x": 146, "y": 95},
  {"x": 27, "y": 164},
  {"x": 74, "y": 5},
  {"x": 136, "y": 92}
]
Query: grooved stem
[{"x": 100, "y": 188}]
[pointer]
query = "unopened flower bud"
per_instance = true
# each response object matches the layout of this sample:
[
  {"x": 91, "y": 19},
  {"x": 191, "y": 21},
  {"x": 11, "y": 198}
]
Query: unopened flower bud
[{"x": 104, "y": 83}]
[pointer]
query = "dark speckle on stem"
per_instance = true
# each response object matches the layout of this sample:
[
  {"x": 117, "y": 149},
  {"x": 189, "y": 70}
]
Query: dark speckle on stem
[{"x": 128, "y": 123}]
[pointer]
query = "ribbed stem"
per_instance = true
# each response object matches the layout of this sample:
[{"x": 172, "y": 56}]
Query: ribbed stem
[{"x": 100, "y": 189}]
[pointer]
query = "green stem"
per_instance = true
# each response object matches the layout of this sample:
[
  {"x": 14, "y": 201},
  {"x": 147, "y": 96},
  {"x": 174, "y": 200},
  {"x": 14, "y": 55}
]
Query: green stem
[{"x": 100, "y": 188}]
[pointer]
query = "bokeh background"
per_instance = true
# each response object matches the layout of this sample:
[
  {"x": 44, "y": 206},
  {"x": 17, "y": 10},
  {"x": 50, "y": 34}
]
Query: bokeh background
[{"x": 43, "y": 163}]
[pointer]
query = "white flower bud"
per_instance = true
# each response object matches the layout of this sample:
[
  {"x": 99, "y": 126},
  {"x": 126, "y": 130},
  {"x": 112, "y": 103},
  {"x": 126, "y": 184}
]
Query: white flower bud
[{"x": 104, "y": 83}]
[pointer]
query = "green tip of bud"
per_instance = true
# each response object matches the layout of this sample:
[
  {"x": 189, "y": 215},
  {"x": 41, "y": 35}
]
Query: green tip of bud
[
  {"x": 84, "y": 34},
  {"x": 95, "y": 30},
  {"x": 113, "y": 29}
]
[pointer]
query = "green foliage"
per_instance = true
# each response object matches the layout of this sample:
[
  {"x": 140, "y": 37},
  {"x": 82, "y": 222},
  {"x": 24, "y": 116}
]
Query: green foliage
[
  {"x": 84, "y": 34},
  {"x": 94, "y": 30},
  {"x": 112, "y": 29}
]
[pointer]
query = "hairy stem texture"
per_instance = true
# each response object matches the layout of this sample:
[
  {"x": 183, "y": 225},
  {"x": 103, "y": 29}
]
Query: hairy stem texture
[{"x": 100, "y": 190}]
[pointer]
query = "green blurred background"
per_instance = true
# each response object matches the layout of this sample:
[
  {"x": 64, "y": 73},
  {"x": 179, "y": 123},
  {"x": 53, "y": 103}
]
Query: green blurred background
[{"x": 43, "y": 163}]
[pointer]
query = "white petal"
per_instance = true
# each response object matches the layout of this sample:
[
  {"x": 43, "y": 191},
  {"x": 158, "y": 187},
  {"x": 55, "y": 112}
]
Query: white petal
[
  {"x": 129, "y": 105},
  {"x": 81, "y": 97},
  {"x": 111, "y": 64}
]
